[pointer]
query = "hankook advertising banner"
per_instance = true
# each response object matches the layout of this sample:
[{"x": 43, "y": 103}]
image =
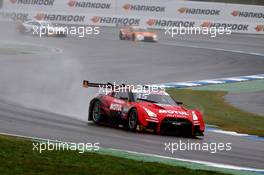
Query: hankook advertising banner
[{"x": 153, "y": 14}]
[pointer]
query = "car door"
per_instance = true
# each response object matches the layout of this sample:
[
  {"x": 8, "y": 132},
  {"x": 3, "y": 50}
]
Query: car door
[
  {"x": 28, "y": 26},
  {"x": 120, "y": 100},
  {"x": 130, "y": 32},
  {"x": 32, "y": 26}
]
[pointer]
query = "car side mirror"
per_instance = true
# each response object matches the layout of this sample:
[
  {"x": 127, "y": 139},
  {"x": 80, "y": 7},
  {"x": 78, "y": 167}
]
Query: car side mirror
[{"x": 179, "y": 102}]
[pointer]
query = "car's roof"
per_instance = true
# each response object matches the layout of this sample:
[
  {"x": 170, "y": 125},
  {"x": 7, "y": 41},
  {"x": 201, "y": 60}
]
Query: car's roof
[
  {"x": 137, "y": 27},
  {"x": 145, "y": 91},
  {"x": 38, "y": 21},
  {"x": 157, "y": 92}
]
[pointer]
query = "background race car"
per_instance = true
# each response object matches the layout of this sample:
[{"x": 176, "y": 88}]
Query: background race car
[
  {"x": 149, "y": 110},
  {"x": 40, "y": 28},
  {"x": 135, "y": 33}
]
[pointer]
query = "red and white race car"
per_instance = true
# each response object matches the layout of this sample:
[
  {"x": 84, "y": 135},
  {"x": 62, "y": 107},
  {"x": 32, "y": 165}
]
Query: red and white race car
[
  {"x": 138, "y": 111},
  {"x": 136, "y": 33}
]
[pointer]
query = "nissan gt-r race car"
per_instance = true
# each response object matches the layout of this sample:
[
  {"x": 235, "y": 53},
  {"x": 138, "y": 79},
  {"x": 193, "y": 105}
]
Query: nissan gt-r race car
[
  {"x": 135, "y": 33},
  {"x": 40, "y": 28},
  {"x": 137, "y": 110}
]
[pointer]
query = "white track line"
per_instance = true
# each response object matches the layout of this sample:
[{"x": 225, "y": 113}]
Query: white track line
[
  {"x": 214, "y": 48},
  {"x": 211, "y": 164}
]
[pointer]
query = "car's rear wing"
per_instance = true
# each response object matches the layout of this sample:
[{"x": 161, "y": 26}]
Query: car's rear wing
[{"x": 87, "y": 84}]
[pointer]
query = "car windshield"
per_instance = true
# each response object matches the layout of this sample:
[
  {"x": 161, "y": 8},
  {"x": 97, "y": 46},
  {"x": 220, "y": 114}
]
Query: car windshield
[
  {"x": 155, "y": 98},
  {"x": 140, "y": 30},
  {"x": 46, "y": 24}
]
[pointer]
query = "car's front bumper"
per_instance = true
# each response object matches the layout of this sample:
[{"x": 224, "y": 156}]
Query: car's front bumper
[{"x": 150, "y": 39}]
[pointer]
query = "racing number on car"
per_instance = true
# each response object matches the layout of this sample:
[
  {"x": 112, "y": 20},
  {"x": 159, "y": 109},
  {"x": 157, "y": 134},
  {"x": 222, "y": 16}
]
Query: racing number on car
[
  {"x": 142, "y": 96},
  {"x": 115, "y": 107}
]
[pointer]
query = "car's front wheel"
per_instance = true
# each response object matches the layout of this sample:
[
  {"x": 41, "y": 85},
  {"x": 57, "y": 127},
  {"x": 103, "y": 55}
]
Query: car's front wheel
[
  {"x": 133, "y": 120},
  {"x": 96, "y": 112}
]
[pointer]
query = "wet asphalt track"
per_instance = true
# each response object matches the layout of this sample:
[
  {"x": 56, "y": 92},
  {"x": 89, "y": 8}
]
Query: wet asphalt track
[{"x": 33, "y": 87}]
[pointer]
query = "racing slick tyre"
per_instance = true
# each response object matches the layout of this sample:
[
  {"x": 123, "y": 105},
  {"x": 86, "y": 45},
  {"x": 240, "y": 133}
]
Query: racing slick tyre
[
  {"x": 121, "y": 36},
  {"x": 133, "y": 120},
  {"x": 96, "y": 112}
]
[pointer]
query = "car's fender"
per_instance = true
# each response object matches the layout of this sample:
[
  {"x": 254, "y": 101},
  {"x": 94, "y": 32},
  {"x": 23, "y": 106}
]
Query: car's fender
[
  {"x": 200, "y": 118},
  {"x": 141, "y": 114}
]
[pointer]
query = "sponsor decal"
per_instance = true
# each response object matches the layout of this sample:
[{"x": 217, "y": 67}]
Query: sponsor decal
[
  {"x": 170, "y": 23},
  {"x": 118, "y": 101},
  {"x": 162, "y": 111},
  {"x": 134, "y": 7},
  {"x": 14, "y": 16},
  {"x": 259, "y": 28},
  {"x": 116, "y": 107},
  {"x": 237, "y": 13},
  {"x": 33, "y": 2},
  {"x": 115, "y": 20},
  {"x": 195, "y": 11},
  {"x": 87, "y": 4},
  {"x": 239, "y": 27},
  {"x": 60, "y": 18}
]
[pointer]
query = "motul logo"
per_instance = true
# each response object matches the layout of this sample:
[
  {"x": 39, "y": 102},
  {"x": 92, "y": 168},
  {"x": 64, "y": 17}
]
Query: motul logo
[
  {"x": 194, "y": 11},
  {"x": 173, "y": 112},
  {"x": 61, "y": 18},
  {"x": 236, "y": 13},
  {"x": 239, "y": 27},
  {"x": 115, "y": 20},
  {"x": 85, "y": 4},
  {"x": 169, "y": 23},
  {"x": 33, "y": 2},
  {"x": 134, "y": 7},
  {"x": 259, "y": 28}
]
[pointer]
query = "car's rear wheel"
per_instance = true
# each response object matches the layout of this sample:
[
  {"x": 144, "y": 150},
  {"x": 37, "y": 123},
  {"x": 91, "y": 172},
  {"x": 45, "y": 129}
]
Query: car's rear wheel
[
  {"x": 133, "y": 120},
  {"x": 96, "y": 112}
]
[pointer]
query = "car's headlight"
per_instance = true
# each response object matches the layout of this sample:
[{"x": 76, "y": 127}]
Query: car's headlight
[
  {"x": 194, "y": 116},
  {"x": 150, "y": 113},
  {"x": 155, "y": 36}
]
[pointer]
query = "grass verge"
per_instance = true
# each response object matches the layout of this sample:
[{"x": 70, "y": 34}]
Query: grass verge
[
  {"x": 17, "y": 157},
  {"x": 218, "y": 112}
]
